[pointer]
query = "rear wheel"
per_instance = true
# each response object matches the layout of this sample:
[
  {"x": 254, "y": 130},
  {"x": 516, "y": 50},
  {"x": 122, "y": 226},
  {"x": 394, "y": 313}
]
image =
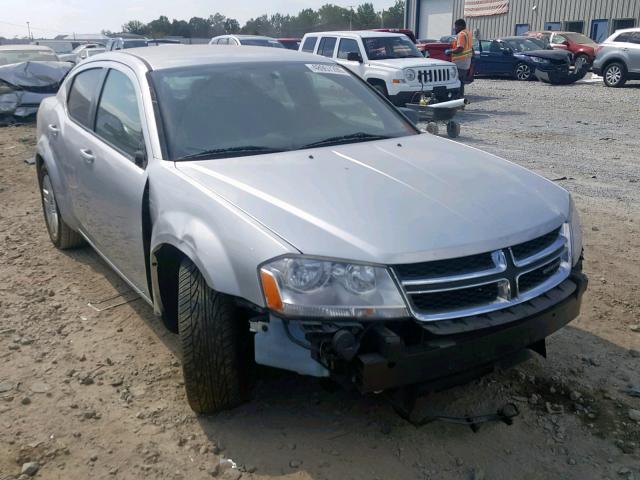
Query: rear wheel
[
  {"x": 61, "y": 235},
  {"x": 582, "y": 61},
  {"x": 614, "y": 75},
  {"x": 215, "y": 344},
  {"x": 522, "y": 72}
]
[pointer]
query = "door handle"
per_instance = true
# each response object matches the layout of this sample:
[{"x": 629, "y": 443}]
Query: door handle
[
  {"x": 53, "y": 129},
  {"x": 87, "y": 155}
]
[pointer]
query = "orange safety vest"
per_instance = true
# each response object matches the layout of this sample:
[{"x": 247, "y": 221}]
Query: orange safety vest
[{"x": 465, "y": 40}]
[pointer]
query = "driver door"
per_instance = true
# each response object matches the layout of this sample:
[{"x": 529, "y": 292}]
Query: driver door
[
  {"x": 347, "y": 46},
  {"x": 112, "y": 176}
]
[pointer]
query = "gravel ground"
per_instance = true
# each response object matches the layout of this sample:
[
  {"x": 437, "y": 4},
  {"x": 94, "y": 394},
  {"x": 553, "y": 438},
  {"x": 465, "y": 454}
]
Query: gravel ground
[{"x": 86, "y": 394}]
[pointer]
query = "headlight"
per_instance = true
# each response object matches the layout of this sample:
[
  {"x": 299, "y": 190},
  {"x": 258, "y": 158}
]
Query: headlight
[
  {"x": 539, "y": 60},
  {"x": 454, "y": 72},
  {"x": 576, "y": 232},
  {"x": 410, "y": 75},
  {"x": 309, "y": 287}
]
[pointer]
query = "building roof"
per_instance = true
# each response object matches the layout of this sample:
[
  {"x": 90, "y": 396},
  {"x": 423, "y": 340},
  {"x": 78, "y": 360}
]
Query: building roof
[
  {"x": 176, "y": 56},
  {"x": 86, "y": 36}
]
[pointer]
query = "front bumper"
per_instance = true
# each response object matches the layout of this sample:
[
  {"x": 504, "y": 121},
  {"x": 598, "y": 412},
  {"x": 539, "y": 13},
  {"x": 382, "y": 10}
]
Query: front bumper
[
  {"x": 394, "y": 364},
  {"x": 439, "y": 94}
]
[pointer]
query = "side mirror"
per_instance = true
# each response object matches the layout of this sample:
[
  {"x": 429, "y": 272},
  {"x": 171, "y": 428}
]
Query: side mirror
[
  {"x": 411, "y": 114},
  {"x": 140, "y": 158},
  {"x": 354, "y": 57}
]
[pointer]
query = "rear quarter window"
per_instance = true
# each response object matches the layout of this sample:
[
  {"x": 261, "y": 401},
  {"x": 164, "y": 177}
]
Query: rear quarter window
[{"x": 82, "y": 94}]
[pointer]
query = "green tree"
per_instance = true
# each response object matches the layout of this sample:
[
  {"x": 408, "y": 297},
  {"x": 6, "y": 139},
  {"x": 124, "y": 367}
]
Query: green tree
[
  {"x": 231, "y": 25},
  {"x": 366, "y": 17},
  {"x": 199, "y": 27},
  {"x": 333, "y": 17},
  {"x": 394, "y": 16},
  {"x": 134, "y": 26},
  {"x": 161, "y": 27}
]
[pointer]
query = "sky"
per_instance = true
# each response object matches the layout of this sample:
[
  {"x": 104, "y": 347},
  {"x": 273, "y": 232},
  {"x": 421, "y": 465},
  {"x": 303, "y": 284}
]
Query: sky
[{"x": 52, "y": 17}]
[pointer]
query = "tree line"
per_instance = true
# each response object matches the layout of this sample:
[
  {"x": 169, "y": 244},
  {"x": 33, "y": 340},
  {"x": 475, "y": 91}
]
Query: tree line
[{"x": 327, "y": 17}]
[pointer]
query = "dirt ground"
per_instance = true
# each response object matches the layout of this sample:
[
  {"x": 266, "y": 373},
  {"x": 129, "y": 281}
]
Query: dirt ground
[{"x": 88, "y": 394}]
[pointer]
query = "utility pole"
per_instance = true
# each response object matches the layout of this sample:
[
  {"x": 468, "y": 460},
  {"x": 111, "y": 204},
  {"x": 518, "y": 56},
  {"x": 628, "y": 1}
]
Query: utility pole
[
  {"x": 382, "y": 18},
  {"x": 350, "y": 17},
  {"x": 29, "y": 31}
]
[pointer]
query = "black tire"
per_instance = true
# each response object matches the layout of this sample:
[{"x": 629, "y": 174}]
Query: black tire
[
  {"x": 215, "y": 353},
  {"x": 614, "y": 75},
  {"x": 582, "y": 61},
  {"x": 62, "y": 236},
  {"x": 453, "y": 129},
  {"x": 522, "y": 72}
]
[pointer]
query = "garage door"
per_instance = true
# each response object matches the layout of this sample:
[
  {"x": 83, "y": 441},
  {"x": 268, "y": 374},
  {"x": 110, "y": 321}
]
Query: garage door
[{"x": 436, "y": 18}]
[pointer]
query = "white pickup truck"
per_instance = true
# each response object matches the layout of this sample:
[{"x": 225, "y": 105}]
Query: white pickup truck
[{"x": 390, "y": 62}]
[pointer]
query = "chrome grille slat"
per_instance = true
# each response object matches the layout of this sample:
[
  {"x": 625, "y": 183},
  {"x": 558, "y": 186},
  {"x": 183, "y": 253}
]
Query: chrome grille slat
[
  {"x": 547, "y": 264},
  {"x": 434, "y": 75}
]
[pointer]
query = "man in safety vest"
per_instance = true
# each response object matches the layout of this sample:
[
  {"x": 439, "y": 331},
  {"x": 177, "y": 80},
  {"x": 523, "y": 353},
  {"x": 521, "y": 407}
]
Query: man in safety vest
[{"x": 461, "y": 51}]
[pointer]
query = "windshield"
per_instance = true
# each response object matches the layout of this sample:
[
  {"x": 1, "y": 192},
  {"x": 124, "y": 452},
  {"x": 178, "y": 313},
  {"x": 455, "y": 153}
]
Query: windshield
[
  {"x": 579, "y": 38},
  {"x": 261, "y": 42},
  {"x": 383, "y": 48},
  {"x": 525, "y": 44},
  {"x": 19, "y": 56},
  {"x": 219, "y": 111}
]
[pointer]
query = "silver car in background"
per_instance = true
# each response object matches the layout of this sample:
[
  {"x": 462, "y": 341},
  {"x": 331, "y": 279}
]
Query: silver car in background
[
  {"x": 274, "y": 209},
  {"x": 618, "y": 58}
]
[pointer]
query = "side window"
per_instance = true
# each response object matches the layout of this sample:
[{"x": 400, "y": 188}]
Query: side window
[
  {"x": 558, "y": 40},
  {"x": 485, "y": 45},
  {"x": 83, "y": 91},
  {"x": 347, "y": 46},
  {"x": 327, "y": 44},
  {"x": 118, "y": 117},
  {"x": 636, "y": 38},
  {"x": 309, "y": 44},
  {"x": 625, "y": 37}
]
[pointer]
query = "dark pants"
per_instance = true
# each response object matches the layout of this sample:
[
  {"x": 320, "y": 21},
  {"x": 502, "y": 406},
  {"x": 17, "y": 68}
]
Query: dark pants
[{"x": 462, "y": 75}]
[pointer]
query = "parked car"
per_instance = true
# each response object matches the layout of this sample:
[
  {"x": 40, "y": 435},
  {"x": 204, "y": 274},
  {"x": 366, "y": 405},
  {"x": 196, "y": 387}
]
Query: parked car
[
  {"x": 60, "y": 47},
  {"x": 436, "y": 48},
  {"x": 581, "y": 46},
  {"x": 90, "y": 53},
  {"x": 78, "y": 54},
  {"x": 120, "y": 43},
  {"x": 26, "y": 53},
  {"x": 390, "y": 62},
  {"x": 274, "y": 208},
  {"x": 618, "y": 58},
  {"x": 521, "y": 58},
  {"x": 246, "y": 40},
  {"x": 290, "y": 43}
]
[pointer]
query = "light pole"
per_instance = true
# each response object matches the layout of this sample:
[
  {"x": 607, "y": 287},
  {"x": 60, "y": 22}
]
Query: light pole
[
  {"x": 29, "y": 31},
  {"x": 382, "y": 18},
  {"x": 350, "y": 17}
]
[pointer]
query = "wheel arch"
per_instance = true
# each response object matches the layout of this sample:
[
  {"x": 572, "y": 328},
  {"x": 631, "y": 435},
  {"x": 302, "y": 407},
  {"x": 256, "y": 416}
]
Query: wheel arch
[{"x": 615, "y": 59}]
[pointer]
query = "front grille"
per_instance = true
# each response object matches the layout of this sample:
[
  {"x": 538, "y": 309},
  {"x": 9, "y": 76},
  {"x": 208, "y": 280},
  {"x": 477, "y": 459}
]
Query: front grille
[
  {"x": 532, "y": 279},
  {"x": 445, "y": 268},
  {"x": 477, "y": 284},
  {"x": 448, "y": 300},
  {"x": 434, "y": 75},
  {"x": 529, "y": 248}
]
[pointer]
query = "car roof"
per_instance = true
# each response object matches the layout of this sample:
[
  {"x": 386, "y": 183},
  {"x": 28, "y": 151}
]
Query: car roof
[
  {"x": 359, "y": 33},
  {"x": 624, "y": 30},
  {"x": 257, "y": 37},
  {"x": 25, "y": 47},
  {"x": 177, "y": 56}
]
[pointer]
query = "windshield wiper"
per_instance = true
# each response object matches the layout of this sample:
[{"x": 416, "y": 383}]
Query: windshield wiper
[
  {"x": 354, "y": 137},
  {"x": 229, "y": 152}
]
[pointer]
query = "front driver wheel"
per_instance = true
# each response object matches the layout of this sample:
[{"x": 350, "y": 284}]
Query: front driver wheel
[
  {"x": 215, "y": 344},
  {"x": 614, "y": 75},
  {"x": 62, "y": 236},
  {"x": 522, "y": 72}
]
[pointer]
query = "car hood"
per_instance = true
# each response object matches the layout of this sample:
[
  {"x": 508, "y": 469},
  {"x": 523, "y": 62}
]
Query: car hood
[
  {"x": 558, "y": 55},
  {"x": 405, "y": 200},
  {"x": 409, "y": 63}
]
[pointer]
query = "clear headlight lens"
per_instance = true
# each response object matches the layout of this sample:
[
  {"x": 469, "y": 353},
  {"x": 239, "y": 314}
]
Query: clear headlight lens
[
  {"x": 410, "y": 74},
  {"x": 308, "y": 287},
  {"x": 576, "y": 232},
  {"x": 454, "y": 72}
]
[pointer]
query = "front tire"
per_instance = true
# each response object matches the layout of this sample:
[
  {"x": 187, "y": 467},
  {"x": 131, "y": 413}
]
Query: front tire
[
  {"x": 214, "y": 338},
  {"x": 522, "y": 72},
  {"x": 62, "y": 236},
  {"x": 614, "y": 75}
]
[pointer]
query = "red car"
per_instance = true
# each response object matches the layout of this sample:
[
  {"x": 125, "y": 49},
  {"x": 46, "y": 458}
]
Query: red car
[
  {"x": 435, "y": 48},
  {"x": 290, "y": 43},
  {"x": 581, "y": 46}
]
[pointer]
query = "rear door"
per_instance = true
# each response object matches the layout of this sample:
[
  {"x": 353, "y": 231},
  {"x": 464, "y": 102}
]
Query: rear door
[
  {"x": 112, "y": 176},
  {"x": 498, "y": 60},
  {"x": 327, "y": 46}
]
